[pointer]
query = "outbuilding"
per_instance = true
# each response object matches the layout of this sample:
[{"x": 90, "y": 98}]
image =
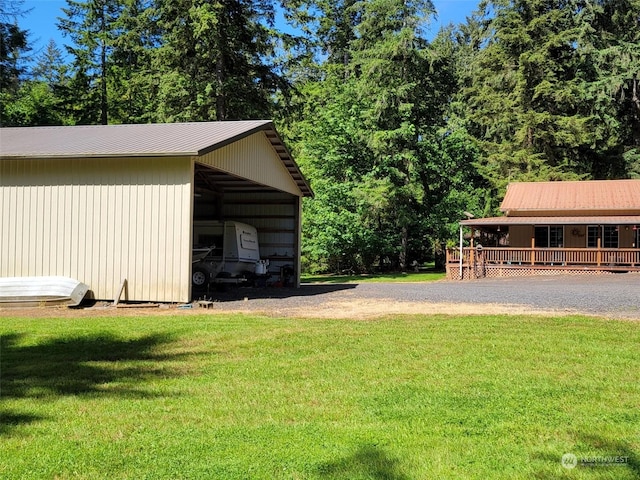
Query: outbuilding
[{"x": 104, "y": 204}]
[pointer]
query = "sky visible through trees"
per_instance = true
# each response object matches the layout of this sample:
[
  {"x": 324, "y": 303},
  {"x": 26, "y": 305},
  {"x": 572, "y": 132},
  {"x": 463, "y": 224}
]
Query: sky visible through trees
[{"x": 41, "y": 18}]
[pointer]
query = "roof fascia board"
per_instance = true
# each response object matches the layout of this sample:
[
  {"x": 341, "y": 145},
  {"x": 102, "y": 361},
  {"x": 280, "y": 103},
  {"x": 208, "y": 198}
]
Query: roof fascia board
[
  {"x": 599, "y": 220},
  {"x": 512, "y": 212},
  {"x": 87, "y": 156}
]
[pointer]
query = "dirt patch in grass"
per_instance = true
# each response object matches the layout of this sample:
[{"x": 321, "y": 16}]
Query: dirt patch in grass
[
  {"x": 353, "y": 309},
  {"x": 380, "y": 308}
]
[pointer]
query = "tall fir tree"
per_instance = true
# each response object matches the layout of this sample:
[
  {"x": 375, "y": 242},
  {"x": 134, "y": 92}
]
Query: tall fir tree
[
  {"x": 610, "y": 48},
  {"x": 370, "y": 136},
  {"x": 534, "y": 88},
  {"x": 215, "y": 60},
  {"x": 92, "y": 28},
  {"x": 132, "y": 84},
  {"x": 37, "y": 101},
  {"x": 13, "y": 50}
]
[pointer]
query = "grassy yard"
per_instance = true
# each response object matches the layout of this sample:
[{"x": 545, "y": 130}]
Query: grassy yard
[{"x": 240, "y": 397}]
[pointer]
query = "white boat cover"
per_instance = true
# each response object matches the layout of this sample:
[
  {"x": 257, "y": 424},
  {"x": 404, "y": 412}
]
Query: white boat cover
[{"x": 42, "y": 290}]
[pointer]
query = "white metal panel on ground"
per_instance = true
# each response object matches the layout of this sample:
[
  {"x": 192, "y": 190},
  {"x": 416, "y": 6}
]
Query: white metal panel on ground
[
  {"x": 99, "y": 221},
  {"x": 253, "y": 158},
  {"x": 39, "y": 290}
]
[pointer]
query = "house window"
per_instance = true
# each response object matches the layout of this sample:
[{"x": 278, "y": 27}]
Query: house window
[
  {"x": 593, "y": 233},
  {"x": 556, "y": 236},
  {"x": 549, "y": 236},
  {"x": 609, "y": 236}
]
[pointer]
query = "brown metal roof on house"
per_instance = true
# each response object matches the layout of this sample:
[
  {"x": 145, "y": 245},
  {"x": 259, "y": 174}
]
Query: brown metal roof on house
[
  {"x": 559, "y": 220},
  {"x": 593, "y": 195},
  {"x": 146, "y": 140}
]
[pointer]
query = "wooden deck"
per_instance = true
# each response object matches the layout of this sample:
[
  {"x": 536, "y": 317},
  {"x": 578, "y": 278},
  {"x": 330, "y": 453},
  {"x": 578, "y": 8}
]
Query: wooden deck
[{"x": 479, "y": 262}]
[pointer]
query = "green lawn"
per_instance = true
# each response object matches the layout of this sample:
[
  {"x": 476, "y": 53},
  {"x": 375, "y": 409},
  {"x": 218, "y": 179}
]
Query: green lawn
[
  {"x": 240, "y": 397},
  {"x": 428, "y": 276}
]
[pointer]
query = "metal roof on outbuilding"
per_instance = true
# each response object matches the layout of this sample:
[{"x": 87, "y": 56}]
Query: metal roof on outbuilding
[{"x": 192, "y": 139}]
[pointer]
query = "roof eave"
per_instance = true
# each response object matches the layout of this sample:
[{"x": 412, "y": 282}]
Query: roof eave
[
  {"x": 101, "y": 155},
  {"x": 559, "y": 220}
]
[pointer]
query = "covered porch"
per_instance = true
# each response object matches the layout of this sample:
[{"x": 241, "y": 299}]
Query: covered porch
[{"x": 520, "y": 246}]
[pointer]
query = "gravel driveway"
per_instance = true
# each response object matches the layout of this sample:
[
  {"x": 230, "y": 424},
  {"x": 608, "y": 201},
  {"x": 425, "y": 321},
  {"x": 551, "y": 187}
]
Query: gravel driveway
[{"x": 614, "y": 295}]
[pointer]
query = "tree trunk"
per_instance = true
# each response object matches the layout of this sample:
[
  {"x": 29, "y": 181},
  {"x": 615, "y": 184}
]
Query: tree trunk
[
  {"x": 221, "y": 99},
  {"x": 103, "y": 86},
  {"x": 402, "y": 258},
  {"x": 104, "y": 120}
]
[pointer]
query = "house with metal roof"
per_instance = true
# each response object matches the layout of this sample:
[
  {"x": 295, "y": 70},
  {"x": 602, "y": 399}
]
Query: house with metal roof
[
  {"x": 554, "y": 227},
  {"x": 105, "y": 204}
]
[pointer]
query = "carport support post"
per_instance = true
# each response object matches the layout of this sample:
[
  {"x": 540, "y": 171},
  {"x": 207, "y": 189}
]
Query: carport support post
[{"x": 298, "y": 240}]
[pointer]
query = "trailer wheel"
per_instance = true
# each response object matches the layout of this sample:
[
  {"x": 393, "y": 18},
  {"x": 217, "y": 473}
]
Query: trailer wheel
[
  {"x": 250, "y": 278},
  {"x": 199, "y": 277}
]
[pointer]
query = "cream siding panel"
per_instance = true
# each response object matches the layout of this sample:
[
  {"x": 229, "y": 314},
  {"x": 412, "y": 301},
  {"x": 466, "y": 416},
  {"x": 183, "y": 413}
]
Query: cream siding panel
[
  {"x": 99, "y": 221},
  {"x": 253, "y": 158}
]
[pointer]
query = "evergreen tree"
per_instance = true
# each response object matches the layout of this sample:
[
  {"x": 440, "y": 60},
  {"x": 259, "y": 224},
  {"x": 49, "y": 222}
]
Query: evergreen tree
[
  {"x": 38, "y": 100},
  {"x": 521, "y": 91},
  {"x": 610, "y": 48},
  {"x": 540, "y": 87},
  {"x": 50, "y": 66},
  {"x": 329, "y": 27},
  {"x": 132, "y": 82},
  {"x": 394, "y": 66},
  {"x": 215, "y": 59},
  {"x": 13, "y": 44},
  {"x": 13, "y": 49},
  {"x": 371, "y": 137},
  {"x": 92, "y": 27}
]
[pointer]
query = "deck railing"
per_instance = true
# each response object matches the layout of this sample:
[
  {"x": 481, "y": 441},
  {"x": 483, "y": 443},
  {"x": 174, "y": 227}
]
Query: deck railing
[{"x": 603, "y": 257}]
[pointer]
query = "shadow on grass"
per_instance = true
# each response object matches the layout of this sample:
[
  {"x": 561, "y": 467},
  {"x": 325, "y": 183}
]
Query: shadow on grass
[
  {"x": 10, "y": 420},
  {"x": 368, "y": 462},
  {"x": 605, "y": 457},
  {"x": 86, "y": 365}
]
